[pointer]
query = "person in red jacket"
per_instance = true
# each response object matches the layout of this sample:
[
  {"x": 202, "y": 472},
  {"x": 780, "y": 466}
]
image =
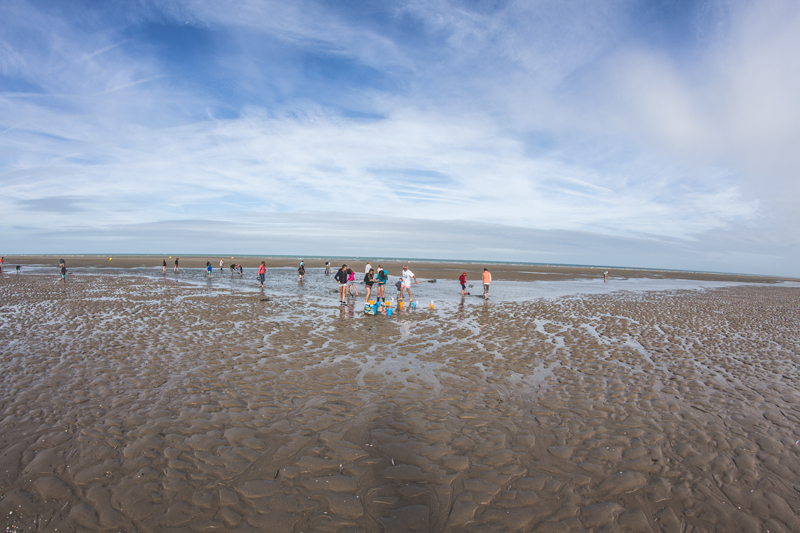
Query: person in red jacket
[
  {"x": 463, "y": 280},
  {"x": 262, "y": 273}
]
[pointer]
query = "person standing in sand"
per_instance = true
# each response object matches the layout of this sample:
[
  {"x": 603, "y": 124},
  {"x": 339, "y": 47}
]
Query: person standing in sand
[
  {"x": 209, "y": 268},
  {"x": 221, "y": 264},
  {"x": 407, "y": 277},
  {"x": 64, "y": 272},
  {"x": 383, "y": 277},
  {"x": 351, "y": 282},
  {"x": 341, "y": 278},
  {"x": 369, "y": 279},
  {"x": 367, "y": 268},
  {"x": 301, "y": 270},
  {"x": 262, "y": 273},
  {"x": 164, "y": 266},
  {"x": 605, "y": 276},
  {"x": 487, "y": 280},
  {"x": 462, "y": 279},
  {"x": 176, "y": 265},
  {"x": 232, "y": 268}
]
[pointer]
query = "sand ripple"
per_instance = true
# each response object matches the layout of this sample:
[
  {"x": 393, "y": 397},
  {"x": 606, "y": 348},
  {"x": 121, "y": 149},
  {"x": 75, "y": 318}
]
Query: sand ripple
[{"x": 135, "y": 405}]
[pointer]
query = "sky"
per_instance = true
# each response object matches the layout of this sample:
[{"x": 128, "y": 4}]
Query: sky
[{"x": 657, "y": 134}]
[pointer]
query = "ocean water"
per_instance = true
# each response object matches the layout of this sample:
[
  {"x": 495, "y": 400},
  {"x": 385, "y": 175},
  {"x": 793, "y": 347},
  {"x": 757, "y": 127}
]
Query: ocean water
[{"x": 284, "y": 282}]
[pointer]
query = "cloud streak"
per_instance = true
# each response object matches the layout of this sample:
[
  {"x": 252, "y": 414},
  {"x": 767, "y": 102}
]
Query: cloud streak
[{"x": 623, "y": 120}]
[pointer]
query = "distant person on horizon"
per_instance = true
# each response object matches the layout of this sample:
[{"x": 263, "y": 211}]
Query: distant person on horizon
[
  {"x": 341, "y": 278},
  {"x": 262, "y": 273},
  {"x": 301, "y": 270},
  {"x": 64, "y": 272},
  {"x": 487, "y": 280},
  {"x": 327, "y": 268},
  {"x": 164, "y": 266},
  {"x": 463, "y": 280},
  {"x": 221, "y": 264},
  {"x": 176, "y": 266},
  {"x": 605, "y": 276},
  {"x": 19, "y": 267},
  {"x": 209, "y": 268},
  {"x": 406, "y": 277}
]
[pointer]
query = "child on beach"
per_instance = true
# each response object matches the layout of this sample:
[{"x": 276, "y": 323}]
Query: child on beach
[
  {"x": 463, "y": 280},
  {"x": 241, "y": 272},
  {"x": 351, "y": 282},
  {"x": 301, "y": 270},
  {"x": 164, "y": 266},
  {"x": 208, "y": 268},
  {"x": 487, "y": 280},
  {"x": 399, "y": 286},
  {"x": 233, "y": 268},
  {"x": 176, "y": 265},
  {"x": 262, "y": 273},
  {"x": 64, "y": 272},
  {"x": 341, "y": 278},
  {"x": 369, "y": 279},
  {"x": 382, "y": 279},
  {"x": 221, "y": 264}
]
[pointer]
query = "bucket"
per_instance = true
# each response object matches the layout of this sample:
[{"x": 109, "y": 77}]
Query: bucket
[
  {"x": 413, "y": 305},
  {"x": 372, "y": 302},
  {"x": 388, "y": 311},
  {"x": 400, "y": 305},
  {"x": 431, "y": 304}
]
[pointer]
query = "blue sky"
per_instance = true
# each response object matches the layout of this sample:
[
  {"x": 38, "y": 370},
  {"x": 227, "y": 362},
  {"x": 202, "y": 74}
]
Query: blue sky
[{"x": 635, "y": 133}]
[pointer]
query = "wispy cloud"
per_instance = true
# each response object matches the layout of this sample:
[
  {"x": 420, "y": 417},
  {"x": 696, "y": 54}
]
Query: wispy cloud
[{"x": 634, "y": 120}]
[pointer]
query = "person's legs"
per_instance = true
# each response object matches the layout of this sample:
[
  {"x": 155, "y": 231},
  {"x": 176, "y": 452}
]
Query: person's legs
[
  {"x": 485, "y": 291},
  {"x": 369, "y": 291},
  {"x": 408, "y": 288},
  {"x": 342, "y": 290}
]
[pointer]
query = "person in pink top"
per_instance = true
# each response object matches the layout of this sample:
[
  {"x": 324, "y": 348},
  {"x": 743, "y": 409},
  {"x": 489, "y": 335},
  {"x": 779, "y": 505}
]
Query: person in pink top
[
  {"x": 262, "y": 273},
  {"x": 487, "y": 280}
]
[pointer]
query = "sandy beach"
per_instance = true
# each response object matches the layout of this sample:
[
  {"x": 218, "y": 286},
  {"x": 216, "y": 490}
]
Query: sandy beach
[{"x": 138, "y": 404}]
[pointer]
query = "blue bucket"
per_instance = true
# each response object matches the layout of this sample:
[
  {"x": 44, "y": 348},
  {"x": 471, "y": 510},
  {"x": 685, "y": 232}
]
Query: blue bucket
[
  {"x": 413, "y": 305},
  {"x": 388, "y": 311}
]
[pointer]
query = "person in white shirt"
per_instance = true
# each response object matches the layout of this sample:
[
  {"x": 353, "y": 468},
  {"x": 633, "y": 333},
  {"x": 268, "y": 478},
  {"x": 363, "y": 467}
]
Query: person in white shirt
[
  {"x": 407, "y": 276},
  {"x": 367, "y": 268}
]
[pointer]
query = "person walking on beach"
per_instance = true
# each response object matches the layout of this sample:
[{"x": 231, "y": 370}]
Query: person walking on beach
[
  {"x": 327, "y": 268},
  {"x": 605, "y": 276},
  {"x": 64, "y": 272},
  {"x": 341, "y": 278},
  {"x": 351, "y": 282},
  {"x": 176, "y": 265},
  {"x": 367, "y": 268},
  {"x": 209, "y": 268},
  {"x": 463, "y": 280},
  {"x": 164, "y": 266},
  {"x": 262, "y": 273},
  {"x": 383, "y": 277},
  {"x": 407, "y": 277},
  {"x": 369, "y": 279},
  {"x": 221, "y": 264},
  {"x": 301, "y": 270},
  {"x": 487, "y": 280}
]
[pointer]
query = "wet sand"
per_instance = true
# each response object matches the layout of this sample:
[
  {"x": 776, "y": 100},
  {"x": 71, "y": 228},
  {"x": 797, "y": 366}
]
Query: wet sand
[
  {"x": 423, "y": 269},
  {"x": 141, "y": 405}
]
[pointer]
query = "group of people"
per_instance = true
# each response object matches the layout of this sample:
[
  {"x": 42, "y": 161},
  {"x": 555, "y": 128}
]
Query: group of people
[{"x": 345, "y": 277}]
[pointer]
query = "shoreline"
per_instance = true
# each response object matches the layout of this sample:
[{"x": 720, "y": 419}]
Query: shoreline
[{"x": 422, "y": 268}]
